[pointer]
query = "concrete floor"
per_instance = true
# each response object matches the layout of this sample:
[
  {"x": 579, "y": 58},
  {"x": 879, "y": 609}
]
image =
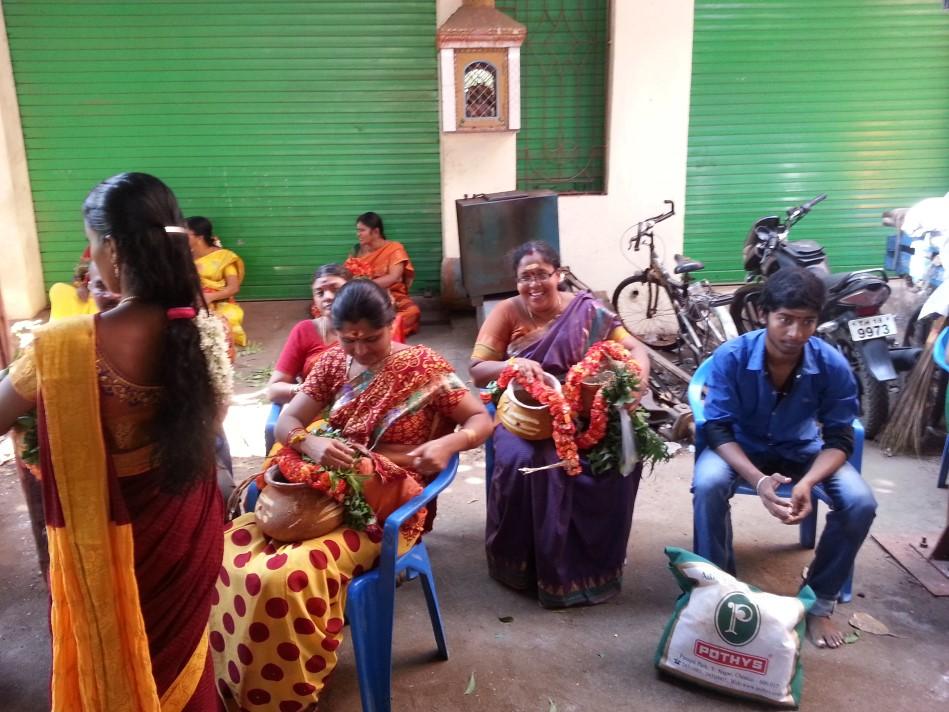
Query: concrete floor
[{"x": 595, "y": 659}]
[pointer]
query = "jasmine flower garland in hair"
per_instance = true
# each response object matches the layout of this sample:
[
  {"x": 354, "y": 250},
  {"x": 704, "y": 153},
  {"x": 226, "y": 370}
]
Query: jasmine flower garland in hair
[{"x": 214, "y": 346}]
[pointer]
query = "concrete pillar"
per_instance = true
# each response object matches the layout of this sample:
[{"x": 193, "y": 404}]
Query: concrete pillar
[{"x": 21, "y": 272}]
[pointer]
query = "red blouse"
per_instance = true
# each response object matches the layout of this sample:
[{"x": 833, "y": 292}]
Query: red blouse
[{"x": 299, "y": 353}]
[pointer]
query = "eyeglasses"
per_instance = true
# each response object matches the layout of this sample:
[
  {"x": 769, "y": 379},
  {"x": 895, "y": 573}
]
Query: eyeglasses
[{"x": 535, "y": 277}]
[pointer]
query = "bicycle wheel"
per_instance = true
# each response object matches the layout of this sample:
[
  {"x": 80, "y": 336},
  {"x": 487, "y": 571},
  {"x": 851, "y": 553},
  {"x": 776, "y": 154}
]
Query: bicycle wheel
[
  {"x": 745, "y": 311},
  {"x": 646, "y": 310}
]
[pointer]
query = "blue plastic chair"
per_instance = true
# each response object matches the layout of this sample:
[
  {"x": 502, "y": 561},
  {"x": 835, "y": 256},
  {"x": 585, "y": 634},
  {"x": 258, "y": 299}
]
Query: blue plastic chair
[
  {"x": 489, "y": 452},
  {"x": 370, "y": 606},
  {"x": 270, "y": 425},
  {"x": 370, "y": 603},
  {"x": 939, "y": 356},
  {"x": 808, "y": 527}
]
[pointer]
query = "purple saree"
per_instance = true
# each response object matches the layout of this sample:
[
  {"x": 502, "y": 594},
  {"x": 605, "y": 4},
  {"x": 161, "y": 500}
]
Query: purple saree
[{"x": 563, "y": 536}]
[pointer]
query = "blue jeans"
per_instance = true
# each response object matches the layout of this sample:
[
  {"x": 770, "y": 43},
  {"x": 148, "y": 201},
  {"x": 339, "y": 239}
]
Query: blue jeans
[{"x": 852, "y": 511}]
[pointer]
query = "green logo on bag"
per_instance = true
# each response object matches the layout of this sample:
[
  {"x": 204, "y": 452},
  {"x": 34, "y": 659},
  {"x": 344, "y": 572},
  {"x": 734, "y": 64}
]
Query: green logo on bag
[{"x": 737, "y": 619}]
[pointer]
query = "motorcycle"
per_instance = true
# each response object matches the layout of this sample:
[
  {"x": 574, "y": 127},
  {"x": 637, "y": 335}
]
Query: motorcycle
[{"x": 850, "y": 319}]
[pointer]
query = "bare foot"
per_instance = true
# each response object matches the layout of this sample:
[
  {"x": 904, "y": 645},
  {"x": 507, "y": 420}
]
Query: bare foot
[{"x": 823, "y": 632}]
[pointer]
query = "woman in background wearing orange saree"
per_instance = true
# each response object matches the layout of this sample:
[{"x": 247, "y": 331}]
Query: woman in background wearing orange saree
[
  {"x": 221, "y": 272},
  {"x": 128, "y": 404},
  {"x": 387, "y": 263}
]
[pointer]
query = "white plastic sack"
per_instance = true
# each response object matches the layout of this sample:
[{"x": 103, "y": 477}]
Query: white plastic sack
[{"x": 731, "y": 637}]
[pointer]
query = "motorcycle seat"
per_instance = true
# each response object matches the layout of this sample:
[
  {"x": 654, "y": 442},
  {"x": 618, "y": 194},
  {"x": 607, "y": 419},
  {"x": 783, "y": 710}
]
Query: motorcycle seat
[
  {"x": 833, "y": 282},
  {"x": 687, "y": 264},
  {"x": 805, "y": 252}
]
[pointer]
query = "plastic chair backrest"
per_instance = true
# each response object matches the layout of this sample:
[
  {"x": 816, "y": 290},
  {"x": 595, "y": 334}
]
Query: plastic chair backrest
[
  {"x": 269, "y": 426},
  {"x": 939, "y": 349}
]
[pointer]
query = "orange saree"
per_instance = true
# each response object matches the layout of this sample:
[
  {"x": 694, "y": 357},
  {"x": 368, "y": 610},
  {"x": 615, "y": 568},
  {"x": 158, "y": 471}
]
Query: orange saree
[{"x": 379, "y": 263}]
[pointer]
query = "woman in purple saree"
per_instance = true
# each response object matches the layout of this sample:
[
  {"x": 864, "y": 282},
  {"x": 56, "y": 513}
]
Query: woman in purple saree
[{"x": 563, "y": 536}]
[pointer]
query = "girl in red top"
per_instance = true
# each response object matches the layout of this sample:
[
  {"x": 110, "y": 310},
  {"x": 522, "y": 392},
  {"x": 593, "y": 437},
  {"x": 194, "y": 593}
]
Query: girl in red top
[{"x": 309, "y": 338}]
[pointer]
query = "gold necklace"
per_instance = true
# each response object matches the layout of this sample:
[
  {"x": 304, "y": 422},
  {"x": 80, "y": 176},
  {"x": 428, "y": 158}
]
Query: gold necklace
[
  {"x": 127, "y": 300},
  {"x": 551, "y": 318},
  {"x": 349, "y": 364}
]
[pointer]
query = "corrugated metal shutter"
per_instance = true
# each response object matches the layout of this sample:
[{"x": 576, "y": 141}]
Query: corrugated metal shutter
[
  {"x": 280, "y": 121},
  {"x": 561, "y": 143},
  {"x": 791, "y": 98}
]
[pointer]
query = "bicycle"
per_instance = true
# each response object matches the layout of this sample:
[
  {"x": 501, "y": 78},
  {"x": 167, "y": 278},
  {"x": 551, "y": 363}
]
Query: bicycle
[{"x": 666, "y": 312}]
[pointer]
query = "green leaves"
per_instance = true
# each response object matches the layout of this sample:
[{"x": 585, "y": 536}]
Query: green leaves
[
  {"x": 605, "y": 456},
  {"x": 471, "y": 685},
  {"x": 30, "y": 453}
]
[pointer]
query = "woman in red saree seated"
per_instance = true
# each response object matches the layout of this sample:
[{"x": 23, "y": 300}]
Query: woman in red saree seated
[
  {"x": 128, "y": 408},
  {"x": 561, "y": 536},
  {"x": 279, "y": 617},
  {"x": 387, "y": 264},
  {"x": 309, "y": 338}
]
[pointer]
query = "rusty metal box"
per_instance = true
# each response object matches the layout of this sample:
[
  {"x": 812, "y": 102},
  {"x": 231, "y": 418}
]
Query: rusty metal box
[{"x": 491, "y": 226}]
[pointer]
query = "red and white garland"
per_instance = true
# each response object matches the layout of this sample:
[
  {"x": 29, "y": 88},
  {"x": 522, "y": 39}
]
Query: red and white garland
[{"x": 564, "y": 407}]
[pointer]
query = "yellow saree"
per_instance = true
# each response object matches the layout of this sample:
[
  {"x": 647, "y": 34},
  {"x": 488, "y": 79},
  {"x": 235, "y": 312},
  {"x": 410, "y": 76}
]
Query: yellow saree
[{"x": 214, "y": 268}]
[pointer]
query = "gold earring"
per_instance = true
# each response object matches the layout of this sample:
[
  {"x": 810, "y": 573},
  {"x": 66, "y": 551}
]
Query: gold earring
[{"x": 115, "y": 267}]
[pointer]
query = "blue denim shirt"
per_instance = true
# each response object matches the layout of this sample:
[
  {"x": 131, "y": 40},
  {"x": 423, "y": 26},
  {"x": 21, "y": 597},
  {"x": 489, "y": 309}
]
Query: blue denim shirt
[{"x": 741, "y": 396}]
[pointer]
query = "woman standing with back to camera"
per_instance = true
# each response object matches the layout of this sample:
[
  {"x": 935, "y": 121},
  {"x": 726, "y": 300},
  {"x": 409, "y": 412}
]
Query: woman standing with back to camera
[{"x": 128, "y": 408}]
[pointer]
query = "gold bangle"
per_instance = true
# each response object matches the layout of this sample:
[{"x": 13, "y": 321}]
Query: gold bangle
[
  {"x": 471, "y": 435},
  {"x": 296, "y": 435}
]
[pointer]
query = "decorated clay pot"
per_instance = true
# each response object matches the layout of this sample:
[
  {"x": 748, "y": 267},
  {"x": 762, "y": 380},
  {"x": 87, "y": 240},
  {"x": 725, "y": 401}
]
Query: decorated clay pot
[
  {"x": 294, "y": 511},
  {"x": 523, "y": 415},
  {"x": 590, "y": 385}
]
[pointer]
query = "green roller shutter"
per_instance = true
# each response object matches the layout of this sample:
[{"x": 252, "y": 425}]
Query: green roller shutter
[
  {"x": 561, "y": 143},
  {"x": 791, "y": 98},
  {"x": 280, "y": 121}
]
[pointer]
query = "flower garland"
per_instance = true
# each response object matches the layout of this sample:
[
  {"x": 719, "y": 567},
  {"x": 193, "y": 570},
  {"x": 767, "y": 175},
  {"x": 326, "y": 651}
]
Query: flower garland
[
  {"x": 564, "y": 407},
  {"x": 590, "y": 366},
  {"x": 215, "y": 347},
  {"x": 343, "y": 486},
  {"x": 358, "y": 266}
]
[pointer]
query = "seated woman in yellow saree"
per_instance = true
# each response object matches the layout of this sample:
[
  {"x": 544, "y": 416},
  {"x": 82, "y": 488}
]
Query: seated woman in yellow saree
[
  {"x": 278, "y": 622},
  {"x": 387, "y": 264},
  {"x": 221, "y": 272},
  {"x": 127, "y": 407}
]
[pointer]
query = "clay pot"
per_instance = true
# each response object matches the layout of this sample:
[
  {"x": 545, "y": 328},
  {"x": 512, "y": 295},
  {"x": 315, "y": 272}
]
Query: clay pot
[
  {"x": 591, "y": 385},
  {"x": 294, "y": 511},
  {"x": 523, "y": 415}
]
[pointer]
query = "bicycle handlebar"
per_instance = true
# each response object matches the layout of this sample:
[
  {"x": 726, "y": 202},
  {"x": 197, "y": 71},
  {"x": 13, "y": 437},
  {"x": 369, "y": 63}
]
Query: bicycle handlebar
[{"x": 644, "y": 227}]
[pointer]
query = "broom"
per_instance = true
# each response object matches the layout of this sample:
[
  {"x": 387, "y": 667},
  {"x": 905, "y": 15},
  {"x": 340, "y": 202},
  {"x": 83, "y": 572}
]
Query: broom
[{"x": 906, "y": 428}]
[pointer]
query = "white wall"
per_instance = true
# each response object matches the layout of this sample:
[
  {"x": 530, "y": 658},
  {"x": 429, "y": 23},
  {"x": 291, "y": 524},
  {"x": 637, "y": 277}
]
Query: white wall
[
  {"x": 648, "y": 120},
  {"x": 647, "y": 123},
  {"x": 21, "y": 273}
]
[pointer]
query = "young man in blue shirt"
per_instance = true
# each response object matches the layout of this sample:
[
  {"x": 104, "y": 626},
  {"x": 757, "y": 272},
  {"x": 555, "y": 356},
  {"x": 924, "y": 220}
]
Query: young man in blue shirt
[{"x": 768, "y": 393}]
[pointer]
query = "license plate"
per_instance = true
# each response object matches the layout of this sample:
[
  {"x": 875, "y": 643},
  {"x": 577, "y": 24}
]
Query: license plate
[{"x": 872, "y": 327}]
